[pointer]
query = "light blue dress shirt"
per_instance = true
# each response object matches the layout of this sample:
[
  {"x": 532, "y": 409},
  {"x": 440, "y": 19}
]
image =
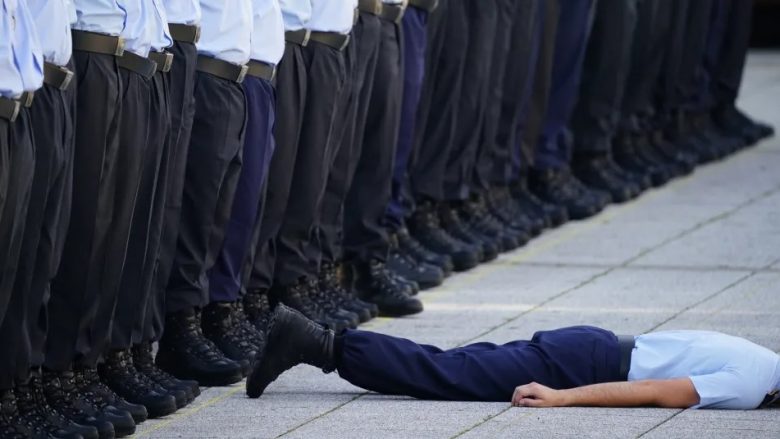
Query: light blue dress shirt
[
  {"x": 183, "y": 11},
  {"x": 136, "y": 33},
  {"x": 728, "y": 372},
  {"x": 103, "y": 16},
  {"x": 332, "y": 16},
  {"x": 296, "y": 13},
  {"x": 158, "y": 27},
  {"x": 392, "y": 2},
  {"x": 267, "y": 31},
  {"x": 21, "y": 57},
  {"x": 52, "y": 22},
  {"x": 226, "y": 30}
]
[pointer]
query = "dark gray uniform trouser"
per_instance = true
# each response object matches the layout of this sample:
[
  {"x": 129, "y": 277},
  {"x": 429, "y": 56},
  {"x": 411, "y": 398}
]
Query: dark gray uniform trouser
[
  {"x": 94, "y": 252},
  {"x": 17, "y": 150}
]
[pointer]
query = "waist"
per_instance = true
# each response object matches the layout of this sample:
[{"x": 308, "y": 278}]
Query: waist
[
  {"x": 10, "y": 107},
  {"x": 626, "y": 344}
]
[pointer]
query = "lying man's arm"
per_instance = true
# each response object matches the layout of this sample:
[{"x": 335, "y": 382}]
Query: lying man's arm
[{"x": 675, "y": 393}]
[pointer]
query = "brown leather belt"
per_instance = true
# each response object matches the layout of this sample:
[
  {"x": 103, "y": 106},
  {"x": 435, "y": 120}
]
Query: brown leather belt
[
  {"x": 222, "y": 69},
  {"x": 57, "y": 76},
  {"x": 138, "y": 64},
  {"x": 184, "y": 33},
  {"x": 261, "y": 70},
  {"x": 97, "y": 43},
  {"x": 428, "y": 5},
  {"x": 626, "y": 344},
  {"x": 299, "y": 37},
  {"x": 373, "y": 7},
  {"x": 332, "y": 39},
  {"x": 9, "y": 109},
  {"x": 394, "y": 13},
  {"x": 163, "y": 60}
]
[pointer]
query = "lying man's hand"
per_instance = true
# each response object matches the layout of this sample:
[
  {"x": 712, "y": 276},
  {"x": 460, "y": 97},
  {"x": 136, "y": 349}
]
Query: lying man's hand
[{"x": 537, "y": 395}]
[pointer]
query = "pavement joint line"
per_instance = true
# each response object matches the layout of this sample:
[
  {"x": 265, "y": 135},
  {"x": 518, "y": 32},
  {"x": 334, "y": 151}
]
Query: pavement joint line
[
  {"x": 184, "y": 414},
  {"x": 714, "y": 295},
  {"x": 653, "y": 267},
  {"x": 322, "y": 415},
  {"x": 485, "y": 420},
  {"x": 659, "y": 424}
]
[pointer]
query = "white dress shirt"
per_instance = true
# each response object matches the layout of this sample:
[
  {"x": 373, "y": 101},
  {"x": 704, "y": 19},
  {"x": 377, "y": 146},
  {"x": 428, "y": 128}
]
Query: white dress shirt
[
  {"x": 158, "y": 27},
  {"x": 21, "y": 57},
  {"x": 183, "y": 11},
  {"x": 296, "y": 13}
]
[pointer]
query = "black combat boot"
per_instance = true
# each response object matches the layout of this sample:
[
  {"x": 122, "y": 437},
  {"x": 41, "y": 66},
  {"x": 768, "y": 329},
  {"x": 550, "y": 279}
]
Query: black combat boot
[
  {"x": 412, "y": 247},
  {"x": 297, "y": 296},
  {"x": 597, "y": 173},
  {"x": 373, "y": 283},
  {"x": 121, "y": 376},
  {"x": 452, "y": 223},
  {"x": 732, "y": 122},
  {"x": 559, "y": 186},
  {"x": 507, "y": 210},
  {"x": 187, "y": 354},
  {"x": 426, "y": 228},
  {"x": 34, "y": 407},
  {"x": 120, "y": 412},
  {"x": 627, "y": 157},
  {"x": 330, "y": 281},
  {"x": 425, "y": 275},
  {"x": 258, "y": 309},
  {"x": 143, "y": 360},
  {"x": 326, "y": 301},
  {"x": 63, "y": 396},
  {"x": 292, "y": 339},
  {"x": 218, "y": 326},
  {"x": 551, "y": 215},
  {"x": 12, "y": 425},
  {"x": 479, "y": 219},
  {"x": 245, "y": 328}
]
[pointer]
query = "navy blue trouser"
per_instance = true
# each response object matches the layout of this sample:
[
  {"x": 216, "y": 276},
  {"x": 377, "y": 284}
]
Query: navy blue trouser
[
  {"x": 574, "y": 22},
  {"x": 561, "y": 359},
  {"x": 259, "y": 145},
  {"x": 415, "y": 41}
]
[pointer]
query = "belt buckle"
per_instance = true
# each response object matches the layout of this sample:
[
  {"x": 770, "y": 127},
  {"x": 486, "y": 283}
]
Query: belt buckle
[
  {"x": 26, "y": 98},
  {"x": 197, "y": 34},
  {"x": 17, "y": 107},
  {"x": 345, "y": 43},
  {"x": 273, "y": 75},
  {"x": 378, "y": 6},
  {"x": 242, "y": 73},
  {"x": 403, "y": 7},
  {"x": 68, "y": 78},
  {"x": 120, "y": 47},
  {"x": 306, "y": 38},
  {"x": 168, "y": 61}
]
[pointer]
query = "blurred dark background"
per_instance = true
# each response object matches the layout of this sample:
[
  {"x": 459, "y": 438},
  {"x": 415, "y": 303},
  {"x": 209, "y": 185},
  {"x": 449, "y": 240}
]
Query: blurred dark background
[{"x": 766, "y": 24}]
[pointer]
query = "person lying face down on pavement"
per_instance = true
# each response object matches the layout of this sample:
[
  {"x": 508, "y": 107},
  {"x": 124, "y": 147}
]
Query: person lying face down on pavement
[{"x": 575, "y": 366}]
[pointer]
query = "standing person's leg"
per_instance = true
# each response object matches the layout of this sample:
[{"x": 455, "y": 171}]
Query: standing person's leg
[
  {"x": 361, "y": 57},
  {"x": 551, "y": 178},
  {"x": 213, "y": 168},
  {"x": 561, "y": 358},
  {"x": 438, "y": 109},
  {"x": 117, "y": 370},
  {"x": 519, "y": 140},
  {"x": 417, "y": 27},
  {"x": 291, "y": 91},
  {"x": 294, "y": 279},
  {"x": 52, "y": 120},
  {"x": 727, "y": 70},
  {"x": 18, "y": 141},
  {"x": 649, "y": 57},
  {"x": 182, "y": 110},
  {"x": 224, "y": 321},
  {"x": 78, "y": 285},
  {"x": 597, "y": 113},
  {"x": 366, "y": 242}
]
